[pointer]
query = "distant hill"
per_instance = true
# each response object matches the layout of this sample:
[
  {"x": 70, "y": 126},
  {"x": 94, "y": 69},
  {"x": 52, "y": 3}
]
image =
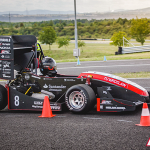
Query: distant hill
[
  {"x": 36, "y": 12},
  {"x": 45, "y": 15}
]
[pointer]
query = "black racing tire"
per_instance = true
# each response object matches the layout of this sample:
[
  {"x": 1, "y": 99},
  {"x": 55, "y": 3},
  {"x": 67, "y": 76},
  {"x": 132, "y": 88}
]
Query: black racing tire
[
  {"x": 3, "y": 97},
  {"x": 80, "y": 98}
]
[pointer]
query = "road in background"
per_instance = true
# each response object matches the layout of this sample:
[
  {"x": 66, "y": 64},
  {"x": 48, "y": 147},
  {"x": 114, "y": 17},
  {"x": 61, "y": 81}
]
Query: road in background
[{"x": 110, "y": 66}]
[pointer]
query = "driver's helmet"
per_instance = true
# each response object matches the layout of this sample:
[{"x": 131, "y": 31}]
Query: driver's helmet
[{"x": 48, "y": 66}]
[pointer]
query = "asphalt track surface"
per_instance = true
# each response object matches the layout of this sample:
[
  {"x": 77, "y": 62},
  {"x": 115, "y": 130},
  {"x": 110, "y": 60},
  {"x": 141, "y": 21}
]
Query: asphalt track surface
[
  {"x": 111, "y": 66},
  {"x": 67, "y": 131}
]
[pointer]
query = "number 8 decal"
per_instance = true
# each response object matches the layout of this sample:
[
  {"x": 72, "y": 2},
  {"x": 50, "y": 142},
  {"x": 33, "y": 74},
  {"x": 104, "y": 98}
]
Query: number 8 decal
[{"x": 16, "y": 100}]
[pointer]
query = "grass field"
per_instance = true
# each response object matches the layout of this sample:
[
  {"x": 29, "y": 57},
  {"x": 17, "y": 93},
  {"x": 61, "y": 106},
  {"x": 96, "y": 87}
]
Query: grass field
[
  {"x": 91, "y": 52},
  {"x": 134, "y": 75}
]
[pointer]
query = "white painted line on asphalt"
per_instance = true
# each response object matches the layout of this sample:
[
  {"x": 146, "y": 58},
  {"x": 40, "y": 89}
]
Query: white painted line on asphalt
[
  {"x": 124, "y": 121},
  {"x": 60, "y": 116},
  {"x": 79, "y": 67},
  {"x": 91, "y": 118}
]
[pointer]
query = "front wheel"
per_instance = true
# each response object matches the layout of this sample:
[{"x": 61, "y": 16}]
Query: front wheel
[{"x": 80, "y": 98}]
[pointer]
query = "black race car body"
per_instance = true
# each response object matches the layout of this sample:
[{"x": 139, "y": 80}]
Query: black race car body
[{"x": 80, "y": 93}]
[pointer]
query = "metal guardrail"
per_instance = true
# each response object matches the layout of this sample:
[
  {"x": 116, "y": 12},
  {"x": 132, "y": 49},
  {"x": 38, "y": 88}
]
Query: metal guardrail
[{"x": 135, "y": 49}]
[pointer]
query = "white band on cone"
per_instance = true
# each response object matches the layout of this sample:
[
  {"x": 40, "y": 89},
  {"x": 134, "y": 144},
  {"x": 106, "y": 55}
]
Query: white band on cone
[{"x": 145, "y": 112}]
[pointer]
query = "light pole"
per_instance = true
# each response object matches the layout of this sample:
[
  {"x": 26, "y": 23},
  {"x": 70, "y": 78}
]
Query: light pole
[
  {"x": 76, "y": 51},
  {"x": 76, "y": 34}
]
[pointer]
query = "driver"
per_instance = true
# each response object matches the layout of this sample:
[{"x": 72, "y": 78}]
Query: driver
[{"x": 48, "y": 67}]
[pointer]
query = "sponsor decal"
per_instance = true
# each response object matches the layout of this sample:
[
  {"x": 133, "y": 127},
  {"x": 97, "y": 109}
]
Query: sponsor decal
[
  {"x": 55, "y": 107},
  {"x": 38, "y": 103},
  {"x": 109, "y": 88},
  {"x": 101, "y": 106},
  {"x": 104, "y": 92},
  {"x": 5, "y": 47},
  {"x": 5, "y": 56},
  {"x": 54, "y": 87},
  {"x": 6, "y": 72},
  {"x": 55, "y": 90},
  {"x": 6, "y": 69},
  {"x": 106, "y": 102},
  {"x": 6, "y": 65},
  {"x": 113, "y": 107},
  {"x": 5, "y": 44},
  {"x": 36, "y": 106},
  {"x": 115, "y": 82},
  {"x": 5, "y": 51},
  {"x": 138, "y": 103},
  {"x": 6, "y": 62},
  {"x": 45, "y": 86},
  {"x": 36, "y": 77},
  {"x": 4, "y": 40},
  {"x": 6, "y": 76},
  {"x": 47, "y": 79},
  {"x": 69, "y": 80},
  {"x": 57, "y": 87}
]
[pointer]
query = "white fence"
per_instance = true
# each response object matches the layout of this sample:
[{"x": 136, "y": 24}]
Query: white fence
[{"x": 135, "y": 49}]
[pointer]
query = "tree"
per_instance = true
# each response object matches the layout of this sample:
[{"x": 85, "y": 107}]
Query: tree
[
  {"x": 47, "y": 35},
  {"x": 81, "y": 44},
  {"x": 63, "y": 42},
  {"x": 117, "y": 39},
  {"x": 21, "y": 25},
  {"x": 16, "y": 26},
  {"x": 140, "y": 29}
]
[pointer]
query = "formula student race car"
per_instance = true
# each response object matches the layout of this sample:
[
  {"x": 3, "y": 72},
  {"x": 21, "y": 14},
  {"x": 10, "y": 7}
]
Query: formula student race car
[{"x": 30, "y": 76}]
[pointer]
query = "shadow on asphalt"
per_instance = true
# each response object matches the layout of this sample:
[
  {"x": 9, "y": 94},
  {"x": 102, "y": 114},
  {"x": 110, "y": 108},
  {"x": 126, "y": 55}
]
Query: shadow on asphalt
[{"x": 92, "y": 112}]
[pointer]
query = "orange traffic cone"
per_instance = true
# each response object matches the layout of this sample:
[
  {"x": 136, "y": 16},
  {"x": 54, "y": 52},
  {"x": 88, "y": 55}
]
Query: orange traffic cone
[
  {"x": 46, "y": 111},
  {"x": 145, "y": 116}
]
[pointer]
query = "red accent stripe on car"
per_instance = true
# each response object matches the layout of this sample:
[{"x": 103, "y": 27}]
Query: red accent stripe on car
[{"x": 115, "y": 82}]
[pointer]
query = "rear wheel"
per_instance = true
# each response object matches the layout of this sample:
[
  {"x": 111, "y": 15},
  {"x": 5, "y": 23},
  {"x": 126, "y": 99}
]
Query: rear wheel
[
  {"x": 3, "y": 97},
  {"x": 80, "y": 98}
]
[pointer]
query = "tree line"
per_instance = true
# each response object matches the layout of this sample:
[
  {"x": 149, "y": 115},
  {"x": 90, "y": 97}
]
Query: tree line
[{"x": 87, "y": 29}]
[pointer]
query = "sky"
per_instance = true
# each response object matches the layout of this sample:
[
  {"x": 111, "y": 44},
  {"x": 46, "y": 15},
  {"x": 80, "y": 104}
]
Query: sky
[{"x": 68, "y": 5}]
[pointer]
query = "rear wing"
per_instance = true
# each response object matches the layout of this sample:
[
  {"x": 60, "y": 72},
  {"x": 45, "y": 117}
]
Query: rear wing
[{"x": 15, "y": 54}]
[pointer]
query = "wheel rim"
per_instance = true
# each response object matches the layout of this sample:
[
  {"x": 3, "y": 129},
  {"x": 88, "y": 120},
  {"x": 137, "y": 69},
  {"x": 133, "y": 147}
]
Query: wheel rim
[{"x": 76, "y": 100}]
